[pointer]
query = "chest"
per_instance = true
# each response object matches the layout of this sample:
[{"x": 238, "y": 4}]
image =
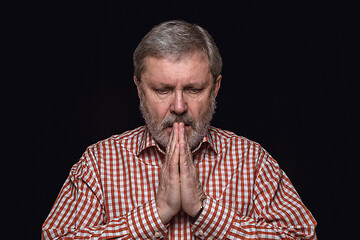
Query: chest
[{"x": 131, "y": 181}]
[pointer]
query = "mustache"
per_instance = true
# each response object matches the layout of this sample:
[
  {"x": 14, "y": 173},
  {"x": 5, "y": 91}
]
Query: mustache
[{"x": 186, "y": 119}]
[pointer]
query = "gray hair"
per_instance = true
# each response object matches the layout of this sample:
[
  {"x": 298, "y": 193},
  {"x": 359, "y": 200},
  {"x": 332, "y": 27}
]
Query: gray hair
[{"x": 176, "y": 39}]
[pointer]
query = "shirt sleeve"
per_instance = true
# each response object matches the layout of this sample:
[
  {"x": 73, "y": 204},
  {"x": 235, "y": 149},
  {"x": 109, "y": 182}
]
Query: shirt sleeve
[
  {"x": 277, "y": 211},
  {"x": 79, "y": 212}
]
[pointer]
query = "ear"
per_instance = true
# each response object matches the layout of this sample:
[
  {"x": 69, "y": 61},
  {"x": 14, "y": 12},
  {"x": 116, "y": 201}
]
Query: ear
[
  {"x": 217, "y": 85},
  {"x": 137, "y": 87}
]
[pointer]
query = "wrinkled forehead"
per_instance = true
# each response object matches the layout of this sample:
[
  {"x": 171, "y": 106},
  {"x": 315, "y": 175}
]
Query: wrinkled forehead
[
  {"x": 177, "y": 58},
  {"x": 193, "y": 66}
]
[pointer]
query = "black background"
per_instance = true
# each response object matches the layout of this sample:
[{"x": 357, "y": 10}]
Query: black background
[{"x": 287, "y": 83}]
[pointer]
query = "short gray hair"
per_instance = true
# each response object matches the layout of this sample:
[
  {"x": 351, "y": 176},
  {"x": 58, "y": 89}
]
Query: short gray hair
[{"x": 176, "y": 39}]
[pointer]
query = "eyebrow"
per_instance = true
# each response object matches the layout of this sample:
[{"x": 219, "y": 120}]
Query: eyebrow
[{"x": 188, "y": 85}]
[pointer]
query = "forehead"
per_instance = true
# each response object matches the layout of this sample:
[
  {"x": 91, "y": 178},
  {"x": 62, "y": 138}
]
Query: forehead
[{"x": 189, "y": 68}]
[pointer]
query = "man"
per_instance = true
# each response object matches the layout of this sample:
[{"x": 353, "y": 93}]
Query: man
[{"x": 177, "y": 177}]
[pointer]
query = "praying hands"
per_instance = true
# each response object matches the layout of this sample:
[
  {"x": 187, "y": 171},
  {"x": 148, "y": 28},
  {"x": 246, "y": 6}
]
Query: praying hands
[{"x": 179, "y": 186}]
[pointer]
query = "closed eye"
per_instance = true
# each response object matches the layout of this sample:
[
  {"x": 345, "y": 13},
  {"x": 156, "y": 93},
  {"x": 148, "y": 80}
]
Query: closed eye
[
  {"x": 162, "y": 91},
  {"x": 194, "y": 90}
]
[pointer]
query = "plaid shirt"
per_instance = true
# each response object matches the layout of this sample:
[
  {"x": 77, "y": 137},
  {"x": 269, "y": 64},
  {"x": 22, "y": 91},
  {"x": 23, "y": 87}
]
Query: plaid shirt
[{"x": 110, "y": 193}]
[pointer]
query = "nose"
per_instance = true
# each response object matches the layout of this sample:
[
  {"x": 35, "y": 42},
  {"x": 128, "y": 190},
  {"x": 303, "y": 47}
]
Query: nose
[{"x": 179, "y": 105}]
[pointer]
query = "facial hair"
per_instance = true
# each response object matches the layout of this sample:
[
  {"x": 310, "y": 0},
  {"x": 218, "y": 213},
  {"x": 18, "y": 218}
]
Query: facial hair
[{"x": 159, "y": 130}]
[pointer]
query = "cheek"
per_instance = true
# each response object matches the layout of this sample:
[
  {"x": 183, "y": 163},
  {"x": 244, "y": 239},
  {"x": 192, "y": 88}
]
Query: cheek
[
  {"x": 158, "y": 109},
  {"x": 198, "y": 107},
  {"x": 161, "y": 111}
]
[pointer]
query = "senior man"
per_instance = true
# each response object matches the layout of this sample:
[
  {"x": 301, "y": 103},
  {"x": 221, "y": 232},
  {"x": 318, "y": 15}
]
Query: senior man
[{"x": 177, "y": 177}]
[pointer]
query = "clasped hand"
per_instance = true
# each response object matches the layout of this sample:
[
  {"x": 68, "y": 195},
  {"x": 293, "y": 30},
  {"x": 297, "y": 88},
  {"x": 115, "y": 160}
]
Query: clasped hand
[{"x": 179, "y": 186}]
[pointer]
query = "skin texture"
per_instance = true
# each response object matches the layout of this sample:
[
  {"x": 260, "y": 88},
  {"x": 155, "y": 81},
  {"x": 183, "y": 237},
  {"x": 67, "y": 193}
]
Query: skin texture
[{"x": 182, "y": 91}]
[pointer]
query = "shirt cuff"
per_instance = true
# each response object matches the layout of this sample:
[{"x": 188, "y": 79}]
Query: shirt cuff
[
  {"x": 144, "y": 222},
  {"x": 214, "y": 221}
]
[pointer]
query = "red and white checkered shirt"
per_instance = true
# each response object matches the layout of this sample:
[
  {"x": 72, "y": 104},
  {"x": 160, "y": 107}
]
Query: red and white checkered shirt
[{"x": 110, "y": 193}]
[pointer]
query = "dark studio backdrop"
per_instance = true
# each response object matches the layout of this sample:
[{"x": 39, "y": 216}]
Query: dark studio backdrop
[{"x": 287, "y": 84}]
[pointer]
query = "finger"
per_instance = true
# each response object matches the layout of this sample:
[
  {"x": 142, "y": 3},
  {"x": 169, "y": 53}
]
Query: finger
[
  {"x": 168, "y": 152},
  {"x": 184, "y": 140},
  {"x": 187, "y": 166},
  {"x": 174, "y": 162},
  {"x": 175, "y": 138},
  {"x": 181, "y": 127},
  {"x": 182, "y": 158},
  {"x": 176, "y": 132},
  {"x": 175, "y": 156},
  {"x": 188, "y": 172},
  {"x": 172, "y": 142},
  {"x": 188, "y": 150},
  {"x": 182, "y": 145}
]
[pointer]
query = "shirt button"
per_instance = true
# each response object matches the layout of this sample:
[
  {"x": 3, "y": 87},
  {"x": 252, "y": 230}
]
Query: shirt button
[
  {"x": 199, "y": 233},
  {"x": 157, "y": 234}
]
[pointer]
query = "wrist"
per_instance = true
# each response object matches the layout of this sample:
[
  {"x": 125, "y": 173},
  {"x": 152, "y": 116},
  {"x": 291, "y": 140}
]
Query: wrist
[
  {"x": 202, "y": 204},
  {"x": 165, "y": 213}
]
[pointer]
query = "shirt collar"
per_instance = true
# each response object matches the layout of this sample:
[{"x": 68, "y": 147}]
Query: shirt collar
[
  {"x": 209, "y": 139},
  {"x": 147, "y": 141}
]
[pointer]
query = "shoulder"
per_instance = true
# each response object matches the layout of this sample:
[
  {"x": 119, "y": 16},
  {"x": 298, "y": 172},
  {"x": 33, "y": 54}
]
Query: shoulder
[
  {"x": 239, "y": 148},
  {"x": 225, "y": 139},
  {"x": 108, "y": 149},
  {"x": 119, "y": 139}
]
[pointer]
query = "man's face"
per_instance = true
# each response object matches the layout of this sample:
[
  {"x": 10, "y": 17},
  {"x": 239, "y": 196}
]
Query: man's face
[{"x": 177, "y": 91}]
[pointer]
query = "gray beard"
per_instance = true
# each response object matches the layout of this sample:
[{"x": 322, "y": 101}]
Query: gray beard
[{"x": 159, "y": 130}]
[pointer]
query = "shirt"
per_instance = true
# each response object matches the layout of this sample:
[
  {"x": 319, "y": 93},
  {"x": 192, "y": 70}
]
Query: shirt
[{"x": 110, "y": 193}]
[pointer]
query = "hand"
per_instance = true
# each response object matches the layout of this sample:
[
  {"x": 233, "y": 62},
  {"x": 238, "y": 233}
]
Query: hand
[
  {"x": 179, "y": 185},
  {"x": 168, "y": 199},
  {"x": 191, "y": 189}
]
